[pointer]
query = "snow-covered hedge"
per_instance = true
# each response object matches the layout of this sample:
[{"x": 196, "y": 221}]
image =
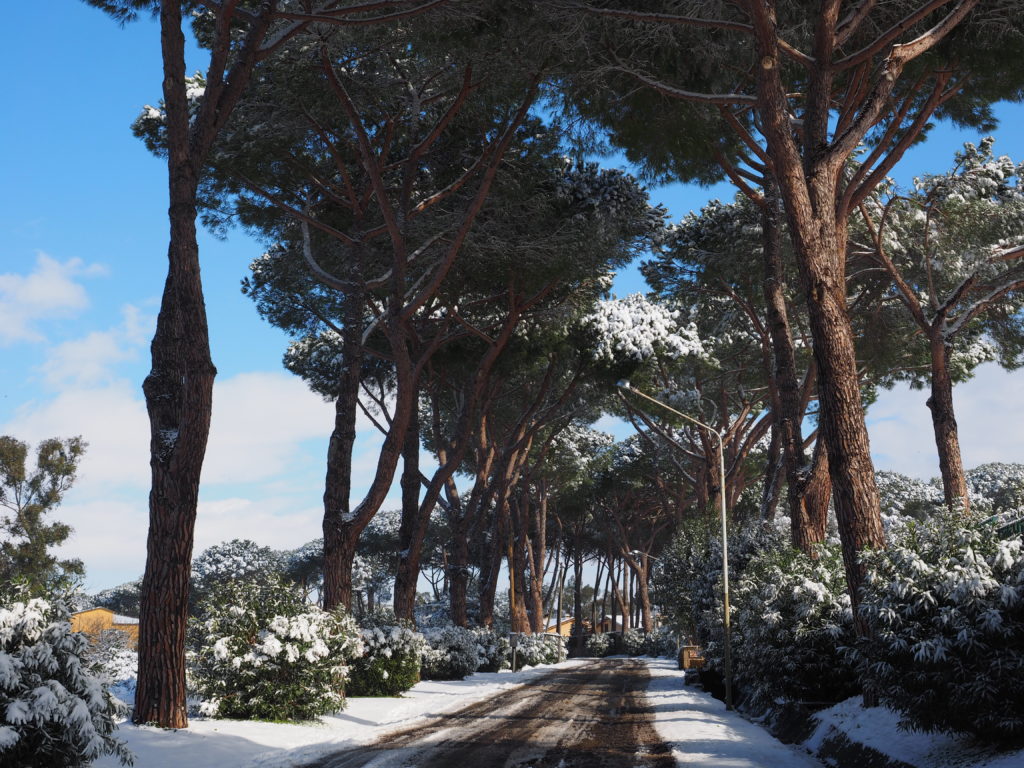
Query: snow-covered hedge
[
  {"x": 599, "y": 645},
  {"x": 791, "y": 616},
  {"x": 390, "y": 663},
  {"x": 946, "y": 605},
  {"x": 661, "y": 642},
  {"x": 531, "y": 650},
  {"x": 55, "y": 712},
  {"x": 493, "y": 651},
  {"x": 634, "y": 642},
  {"x": 450, "y": 654},
  {"x": 261, "y": 652}
]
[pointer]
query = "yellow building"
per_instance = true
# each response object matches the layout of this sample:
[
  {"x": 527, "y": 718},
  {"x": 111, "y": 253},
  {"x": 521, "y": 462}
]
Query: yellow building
[
  {"x": 96, "y": 620},
  {"x": 564, "y": 629}
]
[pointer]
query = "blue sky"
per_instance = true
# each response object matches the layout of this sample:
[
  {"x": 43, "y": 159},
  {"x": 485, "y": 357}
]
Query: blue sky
[{"x": 83, "y": 236}]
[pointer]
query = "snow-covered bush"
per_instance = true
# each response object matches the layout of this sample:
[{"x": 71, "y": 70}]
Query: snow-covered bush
[
  {"x": 261, "y": 652},
  {"x": 390, "y": 663},
  {"x": 791, "y": 616},
  {"x": 598, "y": 645},
  {"x": 661, "y": 642},
  {"x": 946, "y": 606},
  {"x": 55, "y": 712},
  {"x": 235, "y": 560},
  {"x": 450, "y": 654},
  {"x": 531, "y": 650},
  {"x": 689, "y": 580},
  {"x": 115, "y": 662},
  {"x": 634, "y": 642},
  {"x": 493, "y": 651}
]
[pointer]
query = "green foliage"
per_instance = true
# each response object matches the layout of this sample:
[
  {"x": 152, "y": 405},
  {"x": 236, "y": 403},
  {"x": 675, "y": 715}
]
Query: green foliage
[
  {"x": 390, "y": 662},
  {"x": 531, "y": 650},
  {"x": 28, "y": 495},
  {"x": 260, "y": 652},
  {"x": 450, "y": 654},
  {"x": 945, "y": 603},
  {"x": 792, "y": 617},
  {"x": 54, "y": 713},
  {"x": 492, "y": 649},
  {"x": 598, "y": 644}
]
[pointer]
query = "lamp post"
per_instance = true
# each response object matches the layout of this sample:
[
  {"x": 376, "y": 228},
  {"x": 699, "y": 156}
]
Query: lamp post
[{"x": 725, "y": 533}]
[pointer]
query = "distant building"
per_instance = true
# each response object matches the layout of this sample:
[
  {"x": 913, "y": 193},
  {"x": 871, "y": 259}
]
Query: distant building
[
  {"x": 92, "y": 621},
  {"x": 563, "y": 628}
]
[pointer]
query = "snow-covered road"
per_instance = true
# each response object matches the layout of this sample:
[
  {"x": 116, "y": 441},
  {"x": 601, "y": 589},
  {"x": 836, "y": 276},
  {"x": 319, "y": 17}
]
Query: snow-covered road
[{"x": 585, "y": 712}]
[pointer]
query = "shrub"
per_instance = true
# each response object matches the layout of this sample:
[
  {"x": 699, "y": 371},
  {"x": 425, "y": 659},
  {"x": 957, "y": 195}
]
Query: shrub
[
  {"x": 791, "y": 615},
  {"x": 450, "y": 654},
  {"x": 689, "y": 579},
  {"x": 493, "y": 651},
  {"x": 115, "y": 662},
  {"x": 946, "y": 606},
  {"x": 598, "y": 645},
  {"x": 531, "y": 650},
  {"x": 390, "y": 663},
  {"x": 261, "y": 652},
  {"x": 634, "y": 642},
  {"x": 56, "y": 713},
  {"x": 661, "y": 642}
]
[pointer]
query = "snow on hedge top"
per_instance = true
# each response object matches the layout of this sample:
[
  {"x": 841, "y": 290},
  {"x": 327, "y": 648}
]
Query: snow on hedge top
[{"x": 635, "y": 328}]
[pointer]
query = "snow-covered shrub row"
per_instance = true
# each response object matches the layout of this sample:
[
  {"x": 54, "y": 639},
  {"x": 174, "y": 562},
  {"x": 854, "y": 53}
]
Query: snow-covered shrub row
[
  {"x": 945, "y": 602},
  {"x": 531, "y": 650},
  {"x": 493, "y": 651},
  {"x": 260, "y": 651},
  {"x": 661, "y": 642},
  {"x": 55, "y": 712},
  {"x": 450, "y": 653},
  {"x": 598, "y": 645},
  {"x": 634, "y": 642},
  {"x": 791, "y": 617},
  {"x": 689, "y": 578},
  {"x": 390, "y": 663}
]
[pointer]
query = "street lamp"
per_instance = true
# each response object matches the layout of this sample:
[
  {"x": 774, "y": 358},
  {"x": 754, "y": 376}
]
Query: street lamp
[{"x": 725, "y": 533}]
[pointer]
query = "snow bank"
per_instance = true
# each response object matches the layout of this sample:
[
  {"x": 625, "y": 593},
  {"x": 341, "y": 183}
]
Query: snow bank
[
  {"x": 247, "y": 744},
  {"x": 877, "y": 728},
  {"x": 703, "y": 734}
]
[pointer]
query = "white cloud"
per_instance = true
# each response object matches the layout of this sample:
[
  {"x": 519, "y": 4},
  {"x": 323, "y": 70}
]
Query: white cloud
[
  {"x": 988, "y": 415},
  {"x": 90, "y": 360},
  {"x": 112, "y": 420},
  {"x": 47, "y": 292},
  {"x": 259, "y": 419}
]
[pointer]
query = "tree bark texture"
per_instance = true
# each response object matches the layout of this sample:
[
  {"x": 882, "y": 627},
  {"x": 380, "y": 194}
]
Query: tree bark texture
[
  {"x": 414, "y": 524},
  {"x": 947, "y": 441},
  {"x": 179, "y": 400},
  {"x": 338, "y": 549}
]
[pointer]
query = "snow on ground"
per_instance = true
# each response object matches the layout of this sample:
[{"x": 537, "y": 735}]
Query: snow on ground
[
  {"x": 210, "y": 743},
  {"x": 877, "y": 728},
  {"x": 703, "y": 734}
]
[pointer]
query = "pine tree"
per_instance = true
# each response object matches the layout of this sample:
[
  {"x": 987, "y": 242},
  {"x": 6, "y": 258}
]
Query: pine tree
[{"x": 28, "y": 495}]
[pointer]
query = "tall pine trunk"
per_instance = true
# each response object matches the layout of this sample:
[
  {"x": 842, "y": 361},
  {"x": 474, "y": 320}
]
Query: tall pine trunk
[
  {"x": 947, "y": 441},
  {"x": 179, "y": 400},
  {"x": 338, "y": 549},
  {"x": 413, "y": 526}
]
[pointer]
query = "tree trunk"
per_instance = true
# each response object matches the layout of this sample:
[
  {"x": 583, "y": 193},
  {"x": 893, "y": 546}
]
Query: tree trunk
[
  {"x": 818, "y": 237},
  {"x": 179, "y": 400},
  {"x": 339, "y": 540},
  {"x": 644, "y": 598},
  {"x": 811, "y": 518},
  {"x": 954, "y": 481},
  {"x": 489, "y": 572},
  {"x": 459, "y": 579},
  {"x": 413, "y": 526},
  {"x": 809, "y": 178}
]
